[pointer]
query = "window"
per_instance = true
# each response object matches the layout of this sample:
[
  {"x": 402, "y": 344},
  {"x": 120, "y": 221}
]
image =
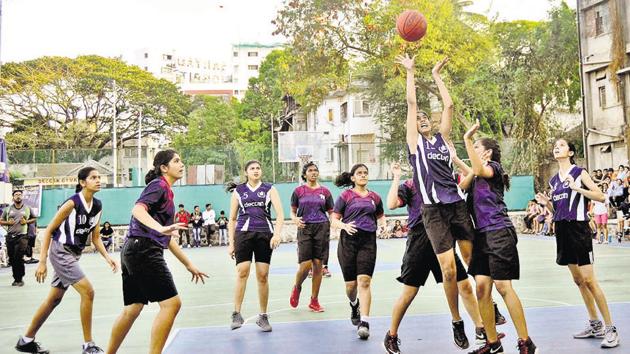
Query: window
[
  {"x": 167, "y": 57},
  {"x": 602, "y": 96},
  {"x": 252, "y": 54},
  {"x": 235, "y": 54},
  {"x": 599, "y": 23},
  {"x": 364, "y": 148},
  {"x": 331, "y": 115},
  {"x": 146, "y": 68},
  {"x": 361, "y": 108},
  {"x": 252, "y": 67},
  {"x": 344, "y": 112},
  {"x": 330, "y": 155},
  {"x": 146, "y": 55}
]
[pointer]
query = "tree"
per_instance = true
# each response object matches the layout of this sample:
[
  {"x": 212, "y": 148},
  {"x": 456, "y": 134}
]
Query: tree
[{"x": 56, "y": 102}]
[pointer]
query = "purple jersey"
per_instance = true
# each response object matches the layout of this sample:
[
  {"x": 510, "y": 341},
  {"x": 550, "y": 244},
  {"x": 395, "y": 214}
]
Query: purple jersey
[
  {"x": 254, "y": 208},
  {"x": 77, "y": 227},
  {"x": 312, "y": 204},
  {"x": 489, "y": 210},
  {"x": 433, "y": 167},
  {"x": 364, "y": 211},
  {"x": 408, "y": 196},
  {"x": 568, "y": 204},
  {"x": 157, "y": 198}
]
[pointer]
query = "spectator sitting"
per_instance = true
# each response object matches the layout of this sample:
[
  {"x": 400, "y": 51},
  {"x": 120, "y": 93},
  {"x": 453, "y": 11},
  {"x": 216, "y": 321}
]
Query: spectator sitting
[
  {"x": 107, "y": 235},
  {"x": 615, "y": 193},
  {"x": 398, "y": 230},
  {"x": 530, "y": 218}
]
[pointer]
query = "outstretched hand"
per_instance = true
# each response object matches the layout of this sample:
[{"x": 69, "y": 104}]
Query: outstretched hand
[
  {"x": 406, "y": 61},
  {"x": 473, "y": 129},
  {"x": 439, "y": 66},
  {"x": 395, "y": 169}
]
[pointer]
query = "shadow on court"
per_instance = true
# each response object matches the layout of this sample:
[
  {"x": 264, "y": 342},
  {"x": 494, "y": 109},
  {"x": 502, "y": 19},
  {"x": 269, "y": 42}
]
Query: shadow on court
[{"x": 550, "y": 327}]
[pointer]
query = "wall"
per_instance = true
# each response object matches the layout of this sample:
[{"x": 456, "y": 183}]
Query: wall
[{"x": 117, "y": 202}]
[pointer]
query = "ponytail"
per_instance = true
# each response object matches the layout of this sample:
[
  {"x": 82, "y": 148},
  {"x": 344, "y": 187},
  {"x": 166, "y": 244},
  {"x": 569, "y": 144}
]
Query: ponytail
[
  {"x": 230, "y": 186},
  {"x": 345, "y": 178},
  {"x": 162, "y": 158},
  {"x": 82, "y": 176}
]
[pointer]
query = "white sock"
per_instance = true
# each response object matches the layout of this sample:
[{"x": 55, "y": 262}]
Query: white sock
[
  {"x": 26, "y": 339},
  {"x": 86, "y": 344},
  {"x": 355, "y": 302},
  {"x": 365, "y": 318}
]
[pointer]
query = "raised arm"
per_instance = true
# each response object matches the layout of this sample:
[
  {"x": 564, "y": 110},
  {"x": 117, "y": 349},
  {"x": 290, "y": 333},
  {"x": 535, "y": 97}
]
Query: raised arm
[
  {"x": 479, "y": 168},
  {"x": 412, "y": 105},
  {"x": 392, "y": 194},
  {"x": 446, "y": 123}
]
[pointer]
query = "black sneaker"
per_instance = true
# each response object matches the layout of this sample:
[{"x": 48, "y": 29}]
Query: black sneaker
[
  {"x": 237, "y": 320},
  {"x": 527, "y": 346},
  {"x": 355, "y": 315},
  {"x": 391, "y": 344},
  {"x": 30, "y": 347},
  {"x": 363, "y": 330},
  {"x": 498, "y": 317},
  {"x": 459, "y": 335},
  {"x": 489, "y": 348}
]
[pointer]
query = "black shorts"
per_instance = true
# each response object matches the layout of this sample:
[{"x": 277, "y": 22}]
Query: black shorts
[
  {"x": 446, "y": 223},
  {"x": 574, "y": 243},
  {"x": 357, "y": 254},
  {"x": 248, "y": 244},
  {"x": 313, "y": 241},
  {"x": 420, "y": 260},
  {"x": 146, "y": 277},
  {"x": 495, "y": 254},
  {"x": 31, "y": 241}
]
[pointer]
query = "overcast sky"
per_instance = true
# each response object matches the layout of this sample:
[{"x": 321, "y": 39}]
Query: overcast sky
[{"x": 33, "y": 28}]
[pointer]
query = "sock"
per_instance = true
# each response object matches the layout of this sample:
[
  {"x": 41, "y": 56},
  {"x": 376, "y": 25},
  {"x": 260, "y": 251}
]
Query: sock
[
  {"x": 26, "y": 339},
  {"x": 365, "y": 318},
  {"x": 595, "y": 323},
  {"x": 87, "y": 344},
  {"x": 355, "y": 302},
  {"x": 263, "y": 313}
]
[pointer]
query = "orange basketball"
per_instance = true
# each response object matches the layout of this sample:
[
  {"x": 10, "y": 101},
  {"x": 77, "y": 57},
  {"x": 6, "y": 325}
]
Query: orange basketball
[{"x": 411, "y": 25}]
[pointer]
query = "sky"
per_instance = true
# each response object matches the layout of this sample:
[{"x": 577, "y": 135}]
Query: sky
[{"x": 205, "y": 28}]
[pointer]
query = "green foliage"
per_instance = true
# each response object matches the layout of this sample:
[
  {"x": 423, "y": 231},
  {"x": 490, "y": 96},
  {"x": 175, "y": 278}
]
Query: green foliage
[{"x": 56, "y": 102}]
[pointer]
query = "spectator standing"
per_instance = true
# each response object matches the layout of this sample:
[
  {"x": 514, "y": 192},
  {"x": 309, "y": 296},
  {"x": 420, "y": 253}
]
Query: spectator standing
[
  {"x": 16, "y": 217},
  {"x": 615, "y": 193},
  {"x": 222, "y": 222},
  {"x": 197, "y": 224},
  {"x": 209, "y": 217},
  {"x": 183, "y": 217},
  {"x": 600, "y": 210},
  {"x": 31, "y": 234}
]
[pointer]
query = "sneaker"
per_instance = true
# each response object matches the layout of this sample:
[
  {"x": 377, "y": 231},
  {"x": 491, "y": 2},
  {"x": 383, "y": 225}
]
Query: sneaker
[
  {"x": 611, "y": 338},
  {"x": 92, "y": 348},
  {"x": 489, "y": 348},
  {"x": 459, "y": 335},
  {"x": 526, "y": 346},
  {"x": 481, "y": 337},
  {"x": 498, "y": 317},
  {"x": 595, "y": 329},
  {"x": 20, "y": 283},
  {"x": 355, "y": 315},
  {"x": 391, "y": 344},
  {"x": 363, "y": 330},
  {"x": 30, "y": 347},
  {"x": 32, "y": 261},
  {"x": 15, "y": 283},
  {"x": 237, "y": 320},
  {"x": 326, "y": 273},
  {"x": 263, "y": 322},
  {"x": 294, "y": 300},
  {"x": 315, "y": 306}
]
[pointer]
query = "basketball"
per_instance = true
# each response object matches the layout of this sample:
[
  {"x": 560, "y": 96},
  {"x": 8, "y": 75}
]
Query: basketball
[{"x": 411, "y": 25}]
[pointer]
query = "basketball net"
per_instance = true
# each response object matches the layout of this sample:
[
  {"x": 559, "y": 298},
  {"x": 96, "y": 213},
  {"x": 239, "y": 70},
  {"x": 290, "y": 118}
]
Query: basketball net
[{"x": 304, "y": 159}]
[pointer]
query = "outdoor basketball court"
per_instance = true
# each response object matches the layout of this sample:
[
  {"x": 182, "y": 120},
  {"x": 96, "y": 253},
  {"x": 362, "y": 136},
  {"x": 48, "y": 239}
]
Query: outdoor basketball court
[{"x": 553, "y": 305}]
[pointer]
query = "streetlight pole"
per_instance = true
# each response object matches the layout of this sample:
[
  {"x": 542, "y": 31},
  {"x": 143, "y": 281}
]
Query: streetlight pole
[
  {"x": 139, "y": 173},
  {"x": 115, "y": 138}
]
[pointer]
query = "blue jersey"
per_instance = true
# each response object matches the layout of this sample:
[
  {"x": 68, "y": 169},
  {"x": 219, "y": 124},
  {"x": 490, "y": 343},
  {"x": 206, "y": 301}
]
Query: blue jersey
[
  {"x": 433, "y": 167},
  {"x": 77, "y": 227},
  {"x": 254, "y": 208},
  {"x": 568, "y": 204}
]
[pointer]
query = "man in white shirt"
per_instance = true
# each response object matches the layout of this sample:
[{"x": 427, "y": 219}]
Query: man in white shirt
[{"x": 209, "y": 222}]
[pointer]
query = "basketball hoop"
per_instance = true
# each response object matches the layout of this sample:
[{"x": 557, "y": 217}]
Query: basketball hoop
[{"x": 304, "y": 158}]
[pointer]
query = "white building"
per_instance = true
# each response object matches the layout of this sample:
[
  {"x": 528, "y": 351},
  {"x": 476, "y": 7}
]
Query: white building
[
  {"x": 227, "y": 75},
  {"x": 351, "y": 134},
  {"x": 246, "y": 61},
  {"x": 606, "y": 93}
]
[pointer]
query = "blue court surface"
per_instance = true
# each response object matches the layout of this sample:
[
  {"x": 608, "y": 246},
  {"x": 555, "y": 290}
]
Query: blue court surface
[{"x": 550, "y": 328}]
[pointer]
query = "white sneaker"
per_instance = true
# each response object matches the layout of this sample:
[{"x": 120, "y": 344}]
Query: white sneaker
[
  {"x": 611, "y": 339},
  {"x": 594, "y": 329}
]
